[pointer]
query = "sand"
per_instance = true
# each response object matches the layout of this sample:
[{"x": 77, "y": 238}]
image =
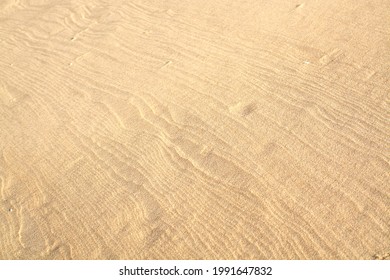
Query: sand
[{"x": 151, "y": 129}]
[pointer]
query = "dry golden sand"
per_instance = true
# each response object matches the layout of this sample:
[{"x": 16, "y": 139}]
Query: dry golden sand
[{"x": 150, "y": 129}]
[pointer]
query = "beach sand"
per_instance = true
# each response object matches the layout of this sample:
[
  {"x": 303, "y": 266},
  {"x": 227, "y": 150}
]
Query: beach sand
[{"x": 194, "y": 129}]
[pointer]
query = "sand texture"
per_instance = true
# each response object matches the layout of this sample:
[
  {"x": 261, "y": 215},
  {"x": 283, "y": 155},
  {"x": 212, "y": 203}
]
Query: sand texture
[{"x": 194, "y": 129}]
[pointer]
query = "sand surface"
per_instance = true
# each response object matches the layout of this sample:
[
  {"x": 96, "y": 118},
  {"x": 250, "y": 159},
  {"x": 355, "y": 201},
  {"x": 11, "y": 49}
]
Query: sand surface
[{"x": 150, "y": 129}]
